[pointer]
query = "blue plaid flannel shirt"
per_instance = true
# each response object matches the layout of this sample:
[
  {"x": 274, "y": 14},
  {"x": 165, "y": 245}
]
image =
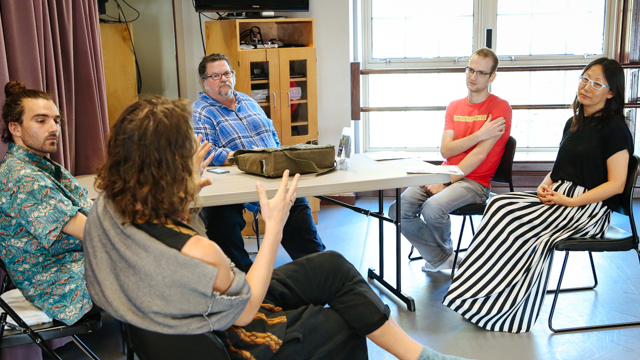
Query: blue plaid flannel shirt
[{"x": 248, "y": 127}]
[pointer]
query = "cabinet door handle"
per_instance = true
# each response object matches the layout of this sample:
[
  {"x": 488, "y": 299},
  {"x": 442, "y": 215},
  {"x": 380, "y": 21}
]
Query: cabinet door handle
[
  {"x": 275, "y": 102},
  {"x": 289, "y": 95}
]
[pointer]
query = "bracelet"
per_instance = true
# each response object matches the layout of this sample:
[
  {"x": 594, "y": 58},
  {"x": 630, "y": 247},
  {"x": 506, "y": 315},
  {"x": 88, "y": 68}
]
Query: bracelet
[{"x": 447, "y": 184}]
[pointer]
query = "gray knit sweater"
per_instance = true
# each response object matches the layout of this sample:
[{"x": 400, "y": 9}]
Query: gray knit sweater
[{"x": 141, "y": 281}]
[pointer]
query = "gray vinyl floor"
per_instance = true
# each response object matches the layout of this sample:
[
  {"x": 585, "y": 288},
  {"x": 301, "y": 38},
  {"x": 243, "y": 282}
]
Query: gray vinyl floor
[{"x": 617, "y": 298}]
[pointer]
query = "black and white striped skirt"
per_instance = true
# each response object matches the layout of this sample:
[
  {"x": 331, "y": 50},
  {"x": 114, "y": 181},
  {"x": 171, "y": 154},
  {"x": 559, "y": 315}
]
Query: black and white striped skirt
[{"x": 502, "y": 281}]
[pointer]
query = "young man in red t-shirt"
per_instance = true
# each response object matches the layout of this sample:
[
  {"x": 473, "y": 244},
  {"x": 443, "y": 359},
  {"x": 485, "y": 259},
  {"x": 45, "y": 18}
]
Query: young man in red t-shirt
[{"x": 476, "y": 130}]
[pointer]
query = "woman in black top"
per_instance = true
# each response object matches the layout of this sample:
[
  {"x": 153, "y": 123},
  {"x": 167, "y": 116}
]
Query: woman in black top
[{"x": 502, "y": 281}]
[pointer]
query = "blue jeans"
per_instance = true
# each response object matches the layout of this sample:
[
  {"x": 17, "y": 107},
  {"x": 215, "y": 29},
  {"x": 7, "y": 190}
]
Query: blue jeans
[
  {"x": 224, "y": 226},
  {"x": 425, "y": 219}
]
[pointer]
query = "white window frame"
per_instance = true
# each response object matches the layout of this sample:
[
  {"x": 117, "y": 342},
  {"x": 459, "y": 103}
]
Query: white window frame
[{"x": 488, "y": 19}]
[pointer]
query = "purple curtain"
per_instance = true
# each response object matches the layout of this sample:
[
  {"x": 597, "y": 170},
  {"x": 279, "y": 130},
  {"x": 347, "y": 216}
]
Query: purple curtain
[{"x": 54, "y": 46}]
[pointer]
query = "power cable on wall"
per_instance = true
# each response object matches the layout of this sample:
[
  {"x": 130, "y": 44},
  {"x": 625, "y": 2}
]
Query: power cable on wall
[
  {"x": 204, "y": 48},
  {"x": 200, "y": 15},
  {"x": 122, "y": 19}
]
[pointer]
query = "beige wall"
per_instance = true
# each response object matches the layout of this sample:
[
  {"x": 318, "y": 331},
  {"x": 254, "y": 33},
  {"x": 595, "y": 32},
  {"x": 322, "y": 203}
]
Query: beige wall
[
  {"x": 332, "y": 43},
  {"x": 154, "y": 42},
  {"x": 190, "y": 49}
]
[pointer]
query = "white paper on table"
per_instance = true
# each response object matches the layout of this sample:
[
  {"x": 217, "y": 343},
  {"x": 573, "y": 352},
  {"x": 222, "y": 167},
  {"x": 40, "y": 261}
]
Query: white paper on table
[
  {"x": 427, "y": 168},
  {"x": 389, "y": 155}
]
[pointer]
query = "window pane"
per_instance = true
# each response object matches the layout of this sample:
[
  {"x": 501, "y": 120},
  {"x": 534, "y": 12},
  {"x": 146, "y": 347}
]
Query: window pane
[
  {"x": 423, "y": 129},
  {"x": 550, "y": 27},
  {"x": 404, "y": 130},
  {"x": 414, "y": 28},
  {"x": 416, "y": 89},
  {"x": 388, "y": 38},
  {"x": 536, "y": 87},
  {"x": 632, "y": 116},
  {"x": 538, "y": 128}
]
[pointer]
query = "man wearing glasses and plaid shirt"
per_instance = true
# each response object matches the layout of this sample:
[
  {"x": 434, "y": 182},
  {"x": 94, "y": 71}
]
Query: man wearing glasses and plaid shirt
[
  {"x": 476, "y": 131},
  {"x": 231, "y": 120}
]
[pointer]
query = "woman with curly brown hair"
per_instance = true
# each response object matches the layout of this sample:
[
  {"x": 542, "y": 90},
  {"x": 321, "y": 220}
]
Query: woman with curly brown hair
[{"x": 147, "y": 267}]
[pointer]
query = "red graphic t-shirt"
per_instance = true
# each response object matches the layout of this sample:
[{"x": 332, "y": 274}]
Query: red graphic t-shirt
[{"x": 465, "y": 119}]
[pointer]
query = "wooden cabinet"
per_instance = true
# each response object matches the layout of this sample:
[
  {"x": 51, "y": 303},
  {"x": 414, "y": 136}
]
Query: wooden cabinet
[
  {"x": 119, "y": 69},
  {"x": 283, "y": 80}
]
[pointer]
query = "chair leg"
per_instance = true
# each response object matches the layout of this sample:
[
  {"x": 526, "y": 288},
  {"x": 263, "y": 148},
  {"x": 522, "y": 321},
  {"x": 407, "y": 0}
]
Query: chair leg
[
  {"x": 458, "y": 250},
  {"x": 46, "y": 349},
  {"x": 473, "y": 232},
  {"x": 558, "y": 290},
  {"x": 83, "y": 347},
  {"x": 455, "y": 257},
  {"x": 591, "y": 287},
  {"x": 26, "y": 329},
  {"x": 464, "y": 221},
  {"x": 411, "y": 253},
  {"x": 256, "y": 229},
  {"x": 126, "y": 343},
  {"x": 3, "y": 322},
  {"x": 123, "y": 335}
]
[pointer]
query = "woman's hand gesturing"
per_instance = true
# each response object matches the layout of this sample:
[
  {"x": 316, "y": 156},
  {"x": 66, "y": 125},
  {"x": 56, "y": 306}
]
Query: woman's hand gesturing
[{"x": 276, "y": 211}]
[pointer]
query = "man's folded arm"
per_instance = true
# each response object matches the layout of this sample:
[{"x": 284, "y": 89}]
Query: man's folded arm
[{"x": 475, "y": 157}]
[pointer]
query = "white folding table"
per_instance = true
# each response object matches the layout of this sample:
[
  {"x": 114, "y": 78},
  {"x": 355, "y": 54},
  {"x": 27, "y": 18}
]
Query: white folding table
[{"x": 363, "y": 174}]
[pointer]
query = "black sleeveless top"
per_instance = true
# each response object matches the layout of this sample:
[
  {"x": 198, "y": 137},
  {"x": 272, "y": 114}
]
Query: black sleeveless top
[
  {"x": 174, "y": 234},
  {"x": 268, "y": 326},
  {"x": 582, "y": 156}
]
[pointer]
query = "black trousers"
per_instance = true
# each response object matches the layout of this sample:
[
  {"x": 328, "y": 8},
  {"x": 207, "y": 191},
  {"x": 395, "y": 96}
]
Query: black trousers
[
  {"x": 225, "y": 223},
  {"x": 303, "y": 287}
]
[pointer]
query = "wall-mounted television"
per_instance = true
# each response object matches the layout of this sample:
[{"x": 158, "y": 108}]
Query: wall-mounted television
[{"x": 251, "y": 5}]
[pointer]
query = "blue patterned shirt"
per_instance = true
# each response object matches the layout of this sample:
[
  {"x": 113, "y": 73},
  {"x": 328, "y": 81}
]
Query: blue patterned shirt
[
  {"x": 38, "y": 197},
  {"x": 247, "y": 127}
]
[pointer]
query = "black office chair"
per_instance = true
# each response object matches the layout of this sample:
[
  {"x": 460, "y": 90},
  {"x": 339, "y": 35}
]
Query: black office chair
[
  {"x": 502, "y": 175},
  {"x": 37, "y": 334},
  {"x": 149, "y": 345},
  {"x": 615, "y": 239}
]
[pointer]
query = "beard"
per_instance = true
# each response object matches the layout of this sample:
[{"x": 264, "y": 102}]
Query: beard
[
  {"x": 225, "y": 93},
  {"x": 42, "y": 146}
]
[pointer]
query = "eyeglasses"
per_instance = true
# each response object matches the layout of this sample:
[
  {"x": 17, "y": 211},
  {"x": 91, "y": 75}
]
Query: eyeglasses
[
  {"x": 594, "y": 84},
  {"x": 471, "y": 72},
  {"x": 216, "y": 77}
]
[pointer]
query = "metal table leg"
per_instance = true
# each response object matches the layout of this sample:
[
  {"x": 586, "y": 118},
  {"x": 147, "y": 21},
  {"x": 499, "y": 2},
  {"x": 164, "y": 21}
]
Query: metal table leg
[{"x": 397, "y": 290}]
